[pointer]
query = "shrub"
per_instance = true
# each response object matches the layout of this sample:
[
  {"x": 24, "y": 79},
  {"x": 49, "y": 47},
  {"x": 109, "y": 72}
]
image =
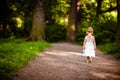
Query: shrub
[
  {"x": 55, "y": 33},
  {"x": 111, "y": 48}
]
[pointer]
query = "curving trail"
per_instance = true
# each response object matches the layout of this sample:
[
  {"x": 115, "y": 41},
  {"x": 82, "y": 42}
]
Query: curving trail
[{"x": 64, "y": 61}]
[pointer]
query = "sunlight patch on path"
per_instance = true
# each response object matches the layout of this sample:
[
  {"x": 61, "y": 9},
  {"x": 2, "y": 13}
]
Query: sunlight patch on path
[{"x": 64, "y": 53}]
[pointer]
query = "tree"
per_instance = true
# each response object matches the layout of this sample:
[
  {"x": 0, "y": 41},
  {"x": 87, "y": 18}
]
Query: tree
[
  {"x": 111, "y": 8},
  {"x": 118, "y": 22},
  {"x": 5, "y": 16},
  {"x": 38, "y": 22},
  {"x": 72, "y": 22},
  {"x": 100, "y": 11}
]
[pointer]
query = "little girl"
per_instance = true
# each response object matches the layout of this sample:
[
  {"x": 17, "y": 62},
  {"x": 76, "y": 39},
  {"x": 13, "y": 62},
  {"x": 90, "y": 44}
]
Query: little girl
[{"x": 89, "y": 45}]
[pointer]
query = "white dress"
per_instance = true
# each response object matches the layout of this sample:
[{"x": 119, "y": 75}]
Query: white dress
[{"x": 89, "y": 47}]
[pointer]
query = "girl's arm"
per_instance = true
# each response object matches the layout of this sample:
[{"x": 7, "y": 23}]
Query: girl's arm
[
  {"x": 94, "y": 42},
  {"x": 84, "y": 43}
]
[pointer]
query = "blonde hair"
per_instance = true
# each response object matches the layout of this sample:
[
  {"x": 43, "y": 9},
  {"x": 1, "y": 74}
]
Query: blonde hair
[{"x": 89, "y": 30}]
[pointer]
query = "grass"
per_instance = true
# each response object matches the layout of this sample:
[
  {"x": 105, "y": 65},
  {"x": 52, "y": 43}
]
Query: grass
[
  {"x": 111, "y": 48},
  {"x": 15, "y": 53}
]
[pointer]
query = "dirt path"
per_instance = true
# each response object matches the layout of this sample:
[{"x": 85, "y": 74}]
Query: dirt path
[{"x": 64, "y": 61}]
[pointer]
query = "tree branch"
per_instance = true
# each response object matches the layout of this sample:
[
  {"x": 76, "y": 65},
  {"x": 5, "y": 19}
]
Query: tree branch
[{"x": 109, "y": 10}]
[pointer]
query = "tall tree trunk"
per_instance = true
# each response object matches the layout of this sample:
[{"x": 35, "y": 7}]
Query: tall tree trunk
[
  {"x": 98, "y": 10},
  {"x": 72, "y": 22},
  {"x": 118, "y": 22},
  {"x": 38, "y": 22}
]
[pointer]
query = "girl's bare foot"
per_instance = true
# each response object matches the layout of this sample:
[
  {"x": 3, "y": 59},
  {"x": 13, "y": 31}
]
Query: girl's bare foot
[
  {"x": 87, "y": 61},
  {"x": 90, "y": 60}
]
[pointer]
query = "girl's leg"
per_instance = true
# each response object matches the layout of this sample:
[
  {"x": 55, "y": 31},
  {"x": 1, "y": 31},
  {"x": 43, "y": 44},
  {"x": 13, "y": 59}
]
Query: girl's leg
[
  {"x": 90, "y": 60},
  {"x": 87, "y": 59}
]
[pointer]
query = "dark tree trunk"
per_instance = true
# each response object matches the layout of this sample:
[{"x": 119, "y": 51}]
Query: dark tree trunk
[
  {"x": 38, "y": 22},
  {"x": 118, "y": 22},
  {"x": 72, "y": 22},
  {"x": 98, "y": 10}
]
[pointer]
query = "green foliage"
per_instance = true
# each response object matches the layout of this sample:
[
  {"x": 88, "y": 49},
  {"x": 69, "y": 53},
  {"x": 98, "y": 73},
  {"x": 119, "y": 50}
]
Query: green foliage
[
  {"x": 111, "y": 48},
  {"x": 55, "y": 33},
  {"x": 108, "y": 4},
  {"x": 104, "y": 28},
  {"x": 14, "y": 54},
  {"x": 104, "y": 31},
  {"x": 56, "y": 11}
]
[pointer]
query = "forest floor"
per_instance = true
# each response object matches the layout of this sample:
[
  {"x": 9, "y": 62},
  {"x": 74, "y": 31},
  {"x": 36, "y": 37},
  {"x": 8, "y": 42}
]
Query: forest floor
[{"x": 64, "y": 61}]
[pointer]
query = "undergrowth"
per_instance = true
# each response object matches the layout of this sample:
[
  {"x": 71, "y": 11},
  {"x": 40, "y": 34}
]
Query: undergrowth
[
  {"x": 15, "y": 53},
  {"x": 111, "y": 48}
]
